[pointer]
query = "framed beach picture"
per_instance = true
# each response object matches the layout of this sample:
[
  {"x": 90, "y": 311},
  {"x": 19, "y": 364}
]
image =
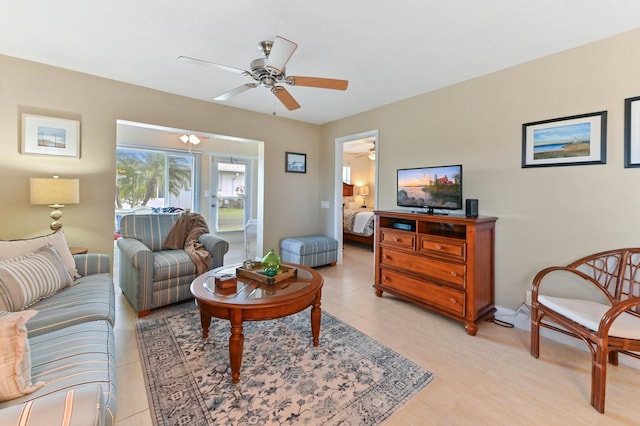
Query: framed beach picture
[
  {"x": 50, "y": 136},
  {"x": 566, "y": 141},
  {"x": 632, "y": 132},
  {"x": 295, "y": 162}
]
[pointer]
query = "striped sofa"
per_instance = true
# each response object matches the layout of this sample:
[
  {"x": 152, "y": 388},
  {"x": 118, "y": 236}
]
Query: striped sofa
[
  {"x": 73, "y": 352},
  {"x": 152, "y": 276}
]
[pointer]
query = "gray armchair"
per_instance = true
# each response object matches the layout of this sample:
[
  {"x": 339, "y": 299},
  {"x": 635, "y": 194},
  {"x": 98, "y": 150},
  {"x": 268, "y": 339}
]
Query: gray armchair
[{"x": 151, "y": 275}]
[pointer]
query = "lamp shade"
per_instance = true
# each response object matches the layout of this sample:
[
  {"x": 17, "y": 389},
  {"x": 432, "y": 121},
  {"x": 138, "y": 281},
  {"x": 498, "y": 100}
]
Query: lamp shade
[{"x": 55, "y": 191}]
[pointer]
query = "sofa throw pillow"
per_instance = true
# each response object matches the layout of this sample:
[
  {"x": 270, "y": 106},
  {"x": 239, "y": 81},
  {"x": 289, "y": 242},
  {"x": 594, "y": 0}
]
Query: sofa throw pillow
[
  {"x": 15, "y": 248},
  {"x": 29, "y": 278},
  {"x": 15, "y": 356}
]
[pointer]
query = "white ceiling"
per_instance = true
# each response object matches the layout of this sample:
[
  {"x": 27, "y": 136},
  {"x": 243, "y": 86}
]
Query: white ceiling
[
  {"x": 359, "y": 146},
  {"x": 388, "y": 50}
]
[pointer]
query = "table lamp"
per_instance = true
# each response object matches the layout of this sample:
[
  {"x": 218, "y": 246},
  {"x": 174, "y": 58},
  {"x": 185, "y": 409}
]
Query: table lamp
[
  {"x": 364, "y": 192},
  {"x": 55, "y": 192}
]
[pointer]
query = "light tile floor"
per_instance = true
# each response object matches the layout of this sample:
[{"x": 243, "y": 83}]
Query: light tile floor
[{"x": 489, "y": 379}]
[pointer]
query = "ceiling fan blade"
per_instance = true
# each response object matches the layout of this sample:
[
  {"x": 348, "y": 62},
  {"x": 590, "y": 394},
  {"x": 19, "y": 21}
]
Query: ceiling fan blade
[
  {"x": 323, "y": 83},
  {"x": 233, "y": 92},
  {"x": 280, "y": 54},
  {"x": 212, "y": 64},
  {"x": 285, "y": 97}
]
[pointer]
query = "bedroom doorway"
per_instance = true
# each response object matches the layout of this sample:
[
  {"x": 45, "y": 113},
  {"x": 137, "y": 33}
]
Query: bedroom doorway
[{"x": 356, "y": 158}]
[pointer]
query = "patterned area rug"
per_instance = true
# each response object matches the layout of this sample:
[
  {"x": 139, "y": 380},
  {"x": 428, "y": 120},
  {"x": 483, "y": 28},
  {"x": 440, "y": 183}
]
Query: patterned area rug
[{"x": 349, "y": 379}]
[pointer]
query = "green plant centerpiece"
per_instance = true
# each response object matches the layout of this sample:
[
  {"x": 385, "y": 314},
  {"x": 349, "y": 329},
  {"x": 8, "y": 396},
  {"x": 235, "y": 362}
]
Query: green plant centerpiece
[{"x": 271, "y": 263}]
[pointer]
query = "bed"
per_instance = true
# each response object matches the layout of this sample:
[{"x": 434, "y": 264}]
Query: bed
[{"x": 358, "y": 222}]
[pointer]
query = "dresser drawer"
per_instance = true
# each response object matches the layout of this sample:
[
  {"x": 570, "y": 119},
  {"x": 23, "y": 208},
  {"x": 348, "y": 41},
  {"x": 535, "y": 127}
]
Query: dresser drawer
[
  {"x": 398, "y": 239},
  {"x": 449, "y": 272},
  {"x": 442, "y": 247},
  {"x": 445, "y": 298}
]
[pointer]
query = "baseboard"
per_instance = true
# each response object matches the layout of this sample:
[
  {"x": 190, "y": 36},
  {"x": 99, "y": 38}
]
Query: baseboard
[{"x": 522, "y": 319}]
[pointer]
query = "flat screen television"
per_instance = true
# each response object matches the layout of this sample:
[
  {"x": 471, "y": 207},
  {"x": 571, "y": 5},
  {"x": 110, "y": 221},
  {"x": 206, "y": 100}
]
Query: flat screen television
[{"x": 430, "y": 188}]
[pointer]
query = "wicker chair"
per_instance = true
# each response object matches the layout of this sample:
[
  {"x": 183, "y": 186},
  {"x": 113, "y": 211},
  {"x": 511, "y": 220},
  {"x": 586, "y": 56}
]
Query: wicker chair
[{"x": 596, "y": 299}]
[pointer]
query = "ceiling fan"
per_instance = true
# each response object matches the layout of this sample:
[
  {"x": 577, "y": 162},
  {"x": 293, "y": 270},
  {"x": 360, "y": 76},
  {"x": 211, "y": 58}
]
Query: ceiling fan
[
  {"x": 362, "y": 148},
  {"x": 270, "y": 72}
]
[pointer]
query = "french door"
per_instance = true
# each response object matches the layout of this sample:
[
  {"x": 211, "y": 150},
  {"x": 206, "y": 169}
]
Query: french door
[{"x": 230, "y": 195}]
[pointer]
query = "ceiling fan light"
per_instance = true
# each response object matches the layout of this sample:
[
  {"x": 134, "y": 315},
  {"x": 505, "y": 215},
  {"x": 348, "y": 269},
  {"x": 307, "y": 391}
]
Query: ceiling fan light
[
  {"x": 192, "y": 139},
  {"x": 281, "y": 51}
]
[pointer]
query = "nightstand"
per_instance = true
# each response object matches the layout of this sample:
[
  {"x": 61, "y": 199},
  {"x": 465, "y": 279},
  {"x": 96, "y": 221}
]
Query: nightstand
[{"x": 78, "y": 250}]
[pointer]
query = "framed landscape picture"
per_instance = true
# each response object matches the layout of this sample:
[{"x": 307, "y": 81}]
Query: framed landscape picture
[
  {"x": 50, "y": 136},
  {"x": 632, "y": 132},
  {"x": 566, "y": 141},
  {"x": 295, "y": 162}
]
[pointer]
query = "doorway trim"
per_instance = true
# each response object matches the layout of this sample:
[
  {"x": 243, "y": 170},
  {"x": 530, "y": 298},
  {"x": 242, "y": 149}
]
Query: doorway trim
[{"x": 339, "y": 161}]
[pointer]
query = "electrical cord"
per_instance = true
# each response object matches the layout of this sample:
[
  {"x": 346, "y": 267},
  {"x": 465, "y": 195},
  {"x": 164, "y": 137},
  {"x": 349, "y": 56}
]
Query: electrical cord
[
  {"x": 506, "y": 324},
  {"x": 501, "y": 323}
]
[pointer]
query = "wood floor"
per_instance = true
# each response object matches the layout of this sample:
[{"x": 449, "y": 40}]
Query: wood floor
[{"x": 489, "y": 379}]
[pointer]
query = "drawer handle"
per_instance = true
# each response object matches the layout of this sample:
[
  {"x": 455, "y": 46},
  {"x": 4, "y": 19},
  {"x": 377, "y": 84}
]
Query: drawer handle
[
  {"x": 452, "y": 300},
  {"x": 438, "y": 247},
  {"x": 396, "y": 239},
  {"x": 454, "y": 274}
]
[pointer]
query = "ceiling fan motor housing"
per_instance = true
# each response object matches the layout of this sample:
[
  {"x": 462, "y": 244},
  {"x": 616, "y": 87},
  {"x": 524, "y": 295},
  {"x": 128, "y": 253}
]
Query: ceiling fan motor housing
[{"x": 265, "y": 76}]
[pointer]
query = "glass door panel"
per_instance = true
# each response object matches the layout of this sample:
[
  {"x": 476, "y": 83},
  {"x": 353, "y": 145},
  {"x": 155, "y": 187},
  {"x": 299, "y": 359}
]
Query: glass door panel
[{"x": 228, "y": 204}]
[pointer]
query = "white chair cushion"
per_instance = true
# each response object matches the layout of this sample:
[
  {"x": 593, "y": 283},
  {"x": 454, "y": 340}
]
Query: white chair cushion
[{"x": 589, "y": 314}]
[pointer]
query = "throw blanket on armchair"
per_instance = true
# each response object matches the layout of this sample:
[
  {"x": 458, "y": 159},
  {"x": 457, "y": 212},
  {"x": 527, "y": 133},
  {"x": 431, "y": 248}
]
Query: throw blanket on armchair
[{"x": 184, "y": 234}]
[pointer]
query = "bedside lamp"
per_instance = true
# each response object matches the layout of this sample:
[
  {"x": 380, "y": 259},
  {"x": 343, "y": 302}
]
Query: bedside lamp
[
  {"x": 55, "y": 192},
  {"x": 364, "y": 192}
]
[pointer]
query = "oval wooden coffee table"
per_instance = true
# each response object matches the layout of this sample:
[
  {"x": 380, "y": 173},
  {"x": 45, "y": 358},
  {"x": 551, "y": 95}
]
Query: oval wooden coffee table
[{"x": 251, "y": 300}]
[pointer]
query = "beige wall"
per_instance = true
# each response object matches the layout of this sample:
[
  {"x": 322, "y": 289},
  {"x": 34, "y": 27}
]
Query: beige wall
[
  {"x": 546, "y": 215},
  {"x": 27, "y": 87}
]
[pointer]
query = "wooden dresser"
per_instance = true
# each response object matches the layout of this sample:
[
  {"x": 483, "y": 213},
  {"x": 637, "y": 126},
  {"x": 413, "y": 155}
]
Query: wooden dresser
[{"x": 442, "y": 262}]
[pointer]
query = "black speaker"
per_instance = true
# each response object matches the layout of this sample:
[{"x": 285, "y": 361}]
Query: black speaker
[{"x": 472, "y": 207}]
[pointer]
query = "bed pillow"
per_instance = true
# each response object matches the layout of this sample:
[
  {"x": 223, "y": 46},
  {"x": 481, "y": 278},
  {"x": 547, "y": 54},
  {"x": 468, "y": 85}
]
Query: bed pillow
[
  {"x": 353, "y": 205},
  {"x": 15, "y": 248},
  {"x": 26, "y": 279},
  {"x": 15, "y": 356}
]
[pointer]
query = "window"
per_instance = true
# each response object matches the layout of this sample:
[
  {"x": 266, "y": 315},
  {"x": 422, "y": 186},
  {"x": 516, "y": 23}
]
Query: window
[
  {"x": 149, "y": 179},
  {"x": 346, "y": 174}
]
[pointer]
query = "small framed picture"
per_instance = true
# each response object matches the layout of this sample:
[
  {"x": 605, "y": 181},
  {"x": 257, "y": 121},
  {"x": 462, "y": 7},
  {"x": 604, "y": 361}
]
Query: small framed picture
[
  {"x": 50, "y": 136},
  {"x": 295, "y": 162},
  {"x": 566, "y": 141},
  {"x": 632, "y": 132}
]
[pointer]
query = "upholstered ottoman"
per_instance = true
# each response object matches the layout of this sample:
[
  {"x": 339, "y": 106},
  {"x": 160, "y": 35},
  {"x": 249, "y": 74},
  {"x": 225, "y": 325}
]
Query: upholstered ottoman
[{"x": 312, "y": 250}]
